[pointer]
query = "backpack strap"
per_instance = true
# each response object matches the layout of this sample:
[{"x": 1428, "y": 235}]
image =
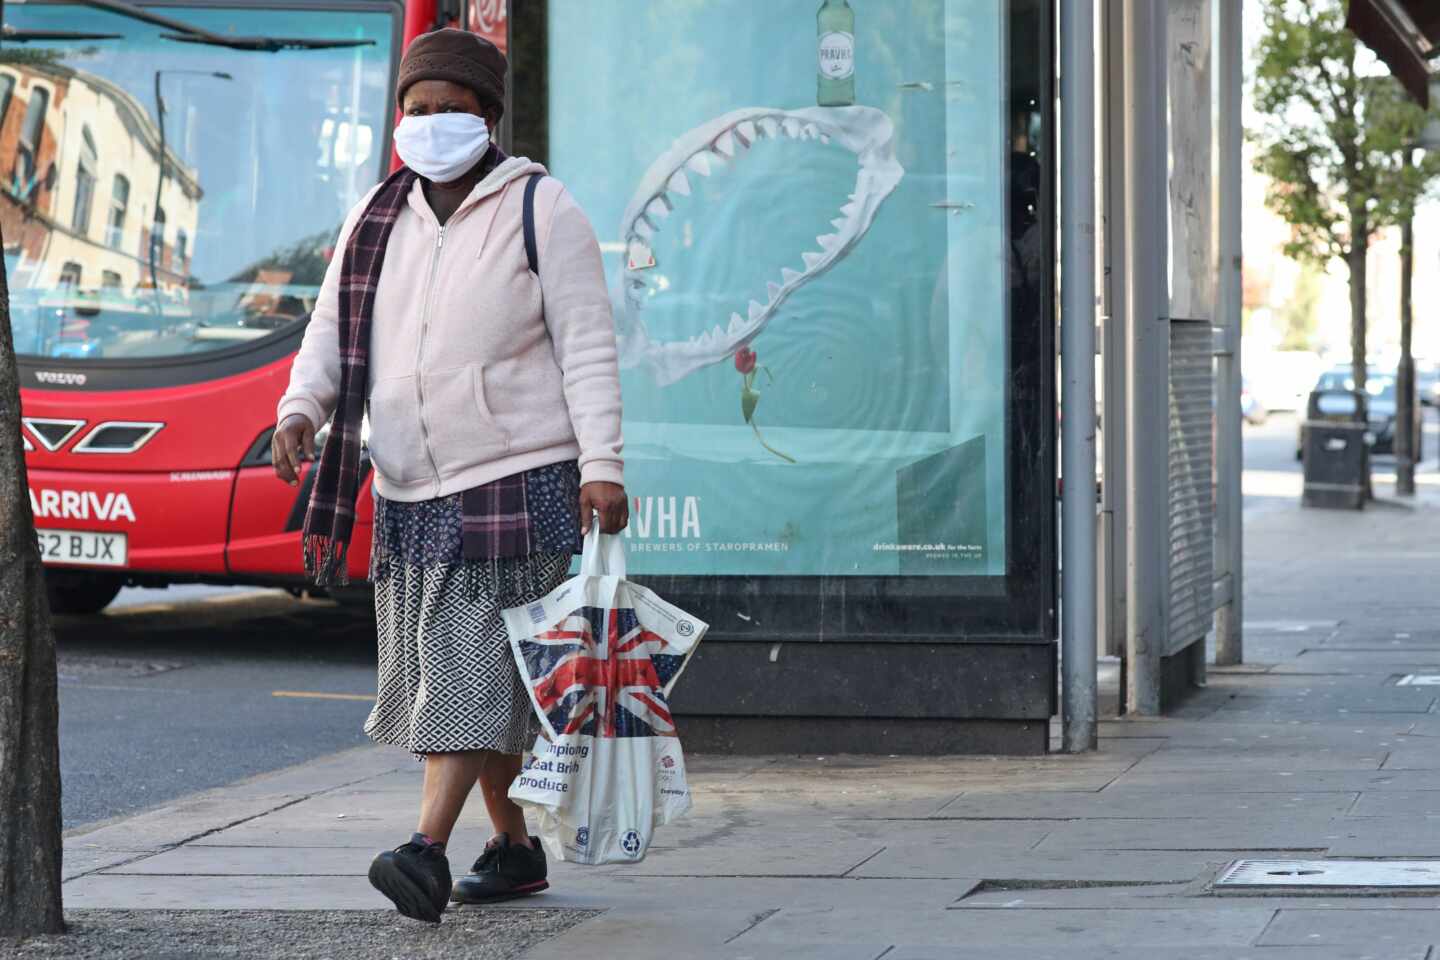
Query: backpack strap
[{"x": 532, "y": 250}]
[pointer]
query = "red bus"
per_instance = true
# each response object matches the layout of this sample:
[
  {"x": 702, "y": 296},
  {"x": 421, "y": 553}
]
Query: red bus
[{"x": 172, "y": 178}]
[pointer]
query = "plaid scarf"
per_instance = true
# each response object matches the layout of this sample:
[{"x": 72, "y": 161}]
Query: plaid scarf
[{"x": 331, "y": 514}]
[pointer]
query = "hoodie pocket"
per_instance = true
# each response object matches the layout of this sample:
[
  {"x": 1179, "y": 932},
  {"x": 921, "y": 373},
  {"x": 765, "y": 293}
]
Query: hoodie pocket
[
  {"x": 463, "y": 433},
  {"x": 396, "y": 447}
]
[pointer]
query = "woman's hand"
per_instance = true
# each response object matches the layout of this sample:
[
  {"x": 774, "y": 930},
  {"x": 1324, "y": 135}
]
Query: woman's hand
[
  {"x": 610, "y": 500},
  {"x": 292, "y": 441}
]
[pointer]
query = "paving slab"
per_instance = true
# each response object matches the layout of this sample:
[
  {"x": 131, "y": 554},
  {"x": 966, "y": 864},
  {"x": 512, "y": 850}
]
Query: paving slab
[
  {"x": 133, "y": 891},
  {"x": 628, "y": 886},
  {"x": 207, "y": 813},
  {"x": 197, "y": 860},
  {"x": 1011, "y": 928},
  {"x": 1331, "y": 704},
  {"x": 701, "y": 931},
  {"x": 1423, "y": 728},
  {"x": 178, "y": 822},
  {"x": 1357, "y": 658},
  {"x": 1413, "y": 756},
  {"x": 1242, "y": 834},
  {"x": 650, "y": 943},
  {"x": 1190, "y": 759},
  {"x": 1134, "y": 805},
  {"x": 79, "y": 859},
  {"x": 952, "y": 834},
  {"x": 1164, "y": 896},
  {"x": 1395, "y": 803},
  {"x": 950, "y": 775},
  {"x": 1113, "y": 866},
  {"x": 1275, "y": 781},
  {"x": 1388, "y": 837},
  {"x": 763, "y": 853},
  {"x": 1382, "y": 731},
  {"x": 1269, "y": 679},
  {"x": 1376, "y": 930},
  {"x": 369, "y": 835},
  {"x": 909, "y": 952},
  {"x": 845, "y": 802}
]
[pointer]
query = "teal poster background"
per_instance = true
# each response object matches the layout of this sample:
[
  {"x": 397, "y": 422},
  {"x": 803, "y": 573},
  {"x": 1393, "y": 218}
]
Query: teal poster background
[{"x": 881, "y": 368}]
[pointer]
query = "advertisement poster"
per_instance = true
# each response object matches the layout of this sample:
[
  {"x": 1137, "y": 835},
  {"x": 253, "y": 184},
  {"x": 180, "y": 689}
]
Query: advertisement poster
[{"x": 803, "y": 212}]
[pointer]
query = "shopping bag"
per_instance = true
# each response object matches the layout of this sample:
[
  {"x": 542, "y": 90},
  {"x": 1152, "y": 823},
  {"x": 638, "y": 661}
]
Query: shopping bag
[{"x": 599, "y": 656}]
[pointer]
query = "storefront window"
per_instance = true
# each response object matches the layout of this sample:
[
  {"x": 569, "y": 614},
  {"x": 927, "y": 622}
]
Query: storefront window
[
  {"x": 815, "y": 253},
  {"x": 28, "y": 149},
  {"x": 119, "y": 204},
  {"x": 85, "y": 177}
]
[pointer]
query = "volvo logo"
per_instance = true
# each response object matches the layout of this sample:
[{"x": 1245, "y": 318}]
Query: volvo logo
[{"x": 60, "y": 378}]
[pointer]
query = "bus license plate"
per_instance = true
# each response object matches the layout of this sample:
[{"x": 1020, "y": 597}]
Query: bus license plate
[{"x": 82, "y": 547}]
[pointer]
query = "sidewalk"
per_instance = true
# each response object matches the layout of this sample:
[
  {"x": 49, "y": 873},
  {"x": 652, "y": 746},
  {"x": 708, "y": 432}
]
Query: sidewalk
[{"x": 1310, "y": 750}]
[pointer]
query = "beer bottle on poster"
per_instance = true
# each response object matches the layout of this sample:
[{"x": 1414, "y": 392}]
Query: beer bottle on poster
[{"x": 835, "y": 27}]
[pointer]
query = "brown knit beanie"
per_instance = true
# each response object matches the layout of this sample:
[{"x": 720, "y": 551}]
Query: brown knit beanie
[{"x": 458, "y": 56}]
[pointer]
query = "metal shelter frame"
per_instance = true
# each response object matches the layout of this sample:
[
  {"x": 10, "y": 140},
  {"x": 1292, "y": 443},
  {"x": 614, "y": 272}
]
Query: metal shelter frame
[{"x": 1147, "y": 570}]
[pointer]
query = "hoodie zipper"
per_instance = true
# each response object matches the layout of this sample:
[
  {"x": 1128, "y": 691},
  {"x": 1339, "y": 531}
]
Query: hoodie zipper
[{"x": 420, "y": 363}]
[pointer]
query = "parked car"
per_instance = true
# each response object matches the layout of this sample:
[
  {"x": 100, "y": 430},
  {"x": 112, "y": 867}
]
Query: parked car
[{"x": 1381, "y": 393}]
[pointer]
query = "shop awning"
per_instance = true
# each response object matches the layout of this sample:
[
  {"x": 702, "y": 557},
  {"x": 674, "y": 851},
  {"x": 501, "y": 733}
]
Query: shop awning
[{"x": 1403, "y": 33}]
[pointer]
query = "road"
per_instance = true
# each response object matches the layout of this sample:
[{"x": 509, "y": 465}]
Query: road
[{"x": 159, "y": 700}]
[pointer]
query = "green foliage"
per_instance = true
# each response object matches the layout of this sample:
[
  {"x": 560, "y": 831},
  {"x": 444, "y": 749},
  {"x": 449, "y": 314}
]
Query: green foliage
[
  {"x": 1334, "y": 132},
  {"x": 27, "y": 57},
  {"x": 1296, "y": 317}
]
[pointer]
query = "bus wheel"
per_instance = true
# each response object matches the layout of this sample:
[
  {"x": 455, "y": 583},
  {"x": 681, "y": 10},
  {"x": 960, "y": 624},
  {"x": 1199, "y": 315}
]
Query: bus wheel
[{"x": 76, "y": 592}]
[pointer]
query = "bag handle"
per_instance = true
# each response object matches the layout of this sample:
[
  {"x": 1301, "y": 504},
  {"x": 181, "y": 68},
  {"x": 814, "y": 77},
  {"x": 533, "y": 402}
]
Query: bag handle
[{"x": 603, "y": 554}]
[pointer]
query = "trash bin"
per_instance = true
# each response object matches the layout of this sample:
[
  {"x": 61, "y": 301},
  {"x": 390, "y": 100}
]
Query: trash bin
[{"x": 1336, "y": 450}]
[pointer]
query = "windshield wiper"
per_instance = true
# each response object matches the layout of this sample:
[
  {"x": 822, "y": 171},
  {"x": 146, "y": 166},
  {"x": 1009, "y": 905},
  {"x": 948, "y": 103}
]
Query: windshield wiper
[
  {"x": 189, "y": 33},
  {"x": 266, "y": 44},
  {"x": 8, "y": 32}
]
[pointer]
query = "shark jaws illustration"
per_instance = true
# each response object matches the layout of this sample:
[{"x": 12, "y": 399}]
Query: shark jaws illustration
[{"x": 864, "y": 131}]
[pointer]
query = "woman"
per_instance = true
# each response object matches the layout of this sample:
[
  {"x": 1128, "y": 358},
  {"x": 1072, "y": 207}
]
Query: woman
[{"x": 493, "y": 403}]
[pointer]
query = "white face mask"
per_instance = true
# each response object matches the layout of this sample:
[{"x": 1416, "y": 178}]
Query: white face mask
[{"x": 442, "y": 146}]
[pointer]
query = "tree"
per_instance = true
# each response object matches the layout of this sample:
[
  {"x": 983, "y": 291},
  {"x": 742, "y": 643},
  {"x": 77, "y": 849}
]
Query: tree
[
  {"x": 29, "y": 714},
  {"x": 1331, "y": 143},
  {"x": 1297, "y": 315}
]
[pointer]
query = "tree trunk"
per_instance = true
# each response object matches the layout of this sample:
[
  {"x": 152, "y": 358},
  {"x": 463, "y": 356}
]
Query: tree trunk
[
  {"x": 1357, "y": 260},
  {"x": 29, "y": 713},
  {"x": 1405, "y": 412}
]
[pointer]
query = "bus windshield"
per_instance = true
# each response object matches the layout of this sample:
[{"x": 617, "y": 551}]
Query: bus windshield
[{"x": 161, "y": 198}]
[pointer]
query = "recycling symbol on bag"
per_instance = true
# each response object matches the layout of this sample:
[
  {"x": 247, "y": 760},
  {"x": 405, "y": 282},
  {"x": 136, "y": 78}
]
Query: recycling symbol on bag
[{"x": 630, "y": 843}]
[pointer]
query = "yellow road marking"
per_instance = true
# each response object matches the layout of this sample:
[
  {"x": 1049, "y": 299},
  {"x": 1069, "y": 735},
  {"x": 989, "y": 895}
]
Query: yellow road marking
[{"x": 316, "y": 695}]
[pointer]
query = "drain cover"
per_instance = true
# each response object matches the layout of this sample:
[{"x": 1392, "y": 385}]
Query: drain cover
[
  {"x": 1331, "y": 873},
  {"x": 1419, "y": 680}
]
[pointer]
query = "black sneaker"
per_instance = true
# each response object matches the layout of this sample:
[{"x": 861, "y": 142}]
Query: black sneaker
[
  {"x": 503, "y": 872},
  {"x": 416, "y": 878}
]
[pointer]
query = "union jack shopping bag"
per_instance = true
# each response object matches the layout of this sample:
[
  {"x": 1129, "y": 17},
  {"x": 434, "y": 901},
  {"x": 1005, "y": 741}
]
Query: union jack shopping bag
[{"x": 599, "y": 656}]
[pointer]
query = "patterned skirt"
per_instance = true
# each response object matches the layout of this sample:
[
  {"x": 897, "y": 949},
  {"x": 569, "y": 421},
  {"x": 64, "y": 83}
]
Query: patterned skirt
[{"x": 447, "y": 679}]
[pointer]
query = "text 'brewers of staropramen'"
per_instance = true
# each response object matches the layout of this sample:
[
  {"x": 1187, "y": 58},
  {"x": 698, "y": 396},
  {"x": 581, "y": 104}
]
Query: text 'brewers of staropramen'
[{"x": 835, "y": 28}]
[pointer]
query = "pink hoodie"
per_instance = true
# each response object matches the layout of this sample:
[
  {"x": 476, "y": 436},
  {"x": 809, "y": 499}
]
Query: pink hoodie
[{"x": 478, "y": 370}]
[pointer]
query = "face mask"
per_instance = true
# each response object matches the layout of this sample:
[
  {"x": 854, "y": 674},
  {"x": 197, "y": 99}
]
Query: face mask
[{"x": 442, "y": 146}]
